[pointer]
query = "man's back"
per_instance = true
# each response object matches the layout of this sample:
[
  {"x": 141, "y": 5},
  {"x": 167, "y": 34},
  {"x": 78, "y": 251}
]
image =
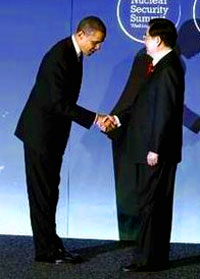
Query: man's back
[{"x": 43, "y": 123}]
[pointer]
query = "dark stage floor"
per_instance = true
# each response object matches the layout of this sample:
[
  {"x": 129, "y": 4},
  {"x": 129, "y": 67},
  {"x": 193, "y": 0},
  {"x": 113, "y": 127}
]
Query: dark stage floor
[{"x": 103, "y": 260}]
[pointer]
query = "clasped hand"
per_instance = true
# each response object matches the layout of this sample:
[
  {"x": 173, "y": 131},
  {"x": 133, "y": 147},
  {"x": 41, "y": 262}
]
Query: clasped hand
[{"x": 106, "y": 123}]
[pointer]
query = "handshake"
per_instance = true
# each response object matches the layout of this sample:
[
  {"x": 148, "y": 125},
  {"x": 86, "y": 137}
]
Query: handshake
[{"x": 107, "y": 123}]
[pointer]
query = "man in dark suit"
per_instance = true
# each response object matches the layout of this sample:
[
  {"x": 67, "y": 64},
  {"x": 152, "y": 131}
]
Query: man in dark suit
[
  {"x": 153, "y": 141},
  {"x": 44, "y": 127}
]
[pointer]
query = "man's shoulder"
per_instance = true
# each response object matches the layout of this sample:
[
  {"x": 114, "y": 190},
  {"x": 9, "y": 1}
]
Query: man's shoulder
[
  {"x": 62, "y": 44},
  {"x": 62, "y": 50},
  {"x": 172, "y": 59},
  {"x": 170, "y": 63}
]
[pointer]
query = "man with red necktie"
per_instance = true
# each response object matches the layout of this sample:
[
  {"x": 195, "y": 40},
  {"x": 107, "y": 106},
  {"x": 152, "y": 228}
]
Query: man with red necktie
[{"x": 152, "y": 142}]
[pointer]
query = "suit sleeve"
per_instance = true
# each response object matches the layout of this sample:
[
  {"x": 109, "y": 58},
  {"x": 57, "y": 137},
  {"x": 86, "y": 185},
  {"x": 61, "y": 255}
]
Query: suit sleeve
[
  {"x": 136, "y": 79},
  {"x": 124, "y": 106},
  {"x": 137, "y": 76},
  {"x": 61, "y": 89},
  {"x": 165, "y": 105}
]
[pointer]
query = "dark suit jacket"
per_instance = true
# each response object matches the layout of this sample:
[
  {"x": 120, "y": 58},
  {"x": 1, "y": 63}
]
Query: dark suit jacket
[
  {"x": 155, "y": 122},
  {"x": 46, "y": 119},
  {"x": 150, "y": 110}
]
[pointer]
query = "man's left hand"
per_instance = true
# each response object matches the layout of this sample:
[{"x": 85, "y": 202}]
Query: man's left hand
[{"x": 152, "y": 158}]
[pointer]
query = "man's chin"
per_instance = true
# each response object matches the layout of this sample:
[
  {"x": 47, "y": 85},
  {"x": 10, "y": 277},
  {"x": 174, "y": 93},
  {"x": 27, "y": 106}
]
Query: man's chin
[
  {"x": 90, "y": 53},
  {"x": 87, "y": 53}
]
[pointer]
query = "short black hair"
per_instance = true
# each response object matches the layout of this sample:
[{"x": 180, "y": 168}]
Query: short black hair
[
  {"x": 90, "y": 24},
  {"x": 165, "y": 29}
]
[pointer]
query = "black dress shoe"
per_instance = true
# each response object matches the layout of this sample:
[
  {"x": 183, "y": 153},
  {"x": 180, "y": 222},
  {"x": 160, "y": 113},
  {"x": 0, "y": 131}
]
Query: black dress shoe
[
  {"x": 51, "y": 259},
  {"x": 129, "y": 268},
  {"x": 144, "y": 268},
  {"x": 60, "y": 257},
  {"x": 71, "y": 257}
]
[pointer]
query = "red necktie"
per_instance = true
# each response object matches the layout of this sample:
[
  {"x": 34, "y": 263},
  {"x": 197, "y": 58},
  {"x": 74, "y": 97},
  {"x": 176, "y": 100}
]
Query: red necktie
[{"x": 150, "y": 68}]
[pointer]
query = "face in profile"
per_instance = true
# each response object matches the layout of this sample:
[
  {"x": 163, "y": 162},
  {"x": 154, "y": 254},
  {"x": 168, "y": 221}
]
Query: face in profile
[
  {"x": 150, "y": 42},
  {"x": 90, "y": 42}
]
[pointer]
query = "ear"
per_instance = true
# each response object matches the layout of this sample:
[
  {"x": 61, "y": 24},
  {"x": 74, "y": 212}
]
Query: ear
[
  {"x": 158, "y": 40},
  {"x": 80, "y": 34}
]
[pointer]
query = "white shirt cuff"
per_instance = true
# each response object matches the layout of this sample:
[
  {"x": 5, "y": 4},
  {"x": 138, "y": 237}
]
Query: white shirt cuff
[{"x": 117, "y": 121}]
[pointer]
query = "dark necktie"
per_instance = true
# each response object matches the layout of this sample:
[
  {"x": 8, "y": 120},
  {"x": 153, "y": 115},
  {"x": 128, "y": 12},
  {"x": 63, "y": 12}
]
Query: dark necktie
[{"x": 80, "y": 58}]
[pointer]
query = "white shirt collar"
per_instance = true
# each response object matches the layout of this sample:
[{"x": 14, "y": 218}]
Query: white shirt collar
[
  {"x": 76, "y": 46},
  {"x": 159, "y": 56}
]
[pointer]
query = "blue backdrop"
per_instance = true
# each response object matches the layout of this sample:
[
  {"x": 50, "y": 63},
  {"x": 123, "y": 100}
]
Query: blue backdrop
[{"x": 87, "y": 206}]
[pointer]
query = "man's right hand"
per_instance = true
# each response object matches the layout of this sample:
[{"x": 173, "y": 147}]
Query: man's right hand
[{"x": 106, "y": 123}]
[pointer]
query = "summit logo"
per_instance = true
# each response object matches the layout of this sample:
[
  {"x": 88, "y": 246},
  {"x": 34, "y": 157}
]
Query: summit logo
[
  {"x": 133, "y": 15},
  {"x": 196, "y": 14}
]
